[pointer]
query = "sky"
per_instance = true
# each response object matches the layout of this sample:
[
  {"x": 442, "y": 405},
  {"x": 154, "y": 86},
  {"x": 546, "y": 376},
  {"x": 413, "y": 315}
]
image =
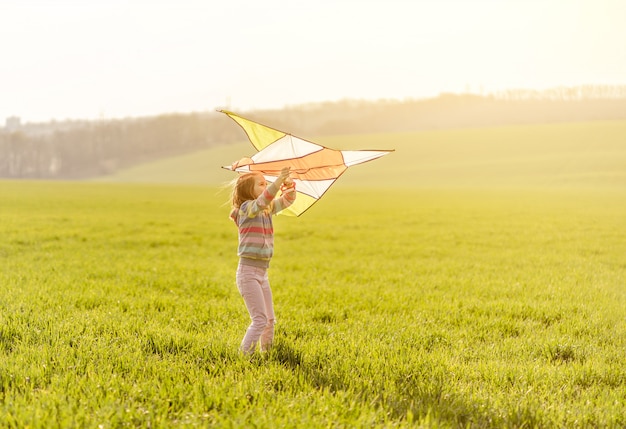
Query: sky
[{"x": 96, "y": 59}]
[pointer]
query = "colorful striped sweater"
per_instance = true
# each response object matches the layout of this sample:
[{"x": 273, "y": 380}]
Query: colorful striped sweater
[{"x": 254, "y": 220}]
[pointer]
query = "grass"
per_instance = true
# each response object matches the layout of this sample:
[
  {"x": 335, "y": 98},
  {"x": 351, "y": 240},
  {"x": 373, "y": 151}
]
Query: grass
[
  {"x": 474, "y": 278},
  {"x": 396, "y": 307}
]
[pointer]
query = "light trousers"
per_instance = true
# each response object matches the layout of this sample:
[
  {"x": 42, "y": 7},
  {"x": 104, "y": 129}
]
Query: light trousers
[{"x": 254, "y": 287}]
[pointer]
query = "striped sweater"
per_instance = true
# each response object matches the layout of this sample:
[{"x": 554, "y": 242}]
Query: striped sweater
[{"x": 254, "y": 220}]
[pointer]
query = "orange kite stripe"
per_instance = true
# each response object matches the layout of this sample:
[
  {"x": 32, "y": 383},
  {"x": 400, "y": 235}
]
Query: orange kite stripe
[{"x": 331, "y": 160}]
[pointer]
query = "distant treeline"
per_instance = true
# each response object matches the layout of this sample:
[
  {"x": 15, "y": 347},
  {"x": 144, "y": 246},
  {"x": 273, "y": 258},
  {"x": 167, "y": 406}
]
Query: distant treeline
[{"x": 79, "y": 149}]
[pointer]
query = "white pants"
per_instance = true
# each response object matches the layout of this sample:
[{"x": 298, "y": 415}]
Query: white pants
[{"x": 254, "y": 286}]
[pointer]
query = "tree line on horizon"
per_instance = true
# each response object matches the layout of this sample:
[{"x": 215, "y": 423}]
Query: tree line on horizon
[{"x": 82, "y": 149}]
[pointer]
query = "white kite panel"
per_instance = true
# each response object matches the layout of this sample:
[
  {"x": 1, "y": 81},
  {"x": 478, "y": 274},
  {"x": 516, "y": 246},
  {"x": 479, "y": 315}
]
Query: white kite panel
[
  {"x": 354, "y": 157},
  {"x": 286, "y": 148}
]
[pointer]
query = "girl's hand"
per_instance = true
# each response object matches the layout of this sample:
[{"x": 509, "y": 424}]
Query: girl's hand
[
  {"x": 284, "y": 175},
  {"x": 288, "y": 190}
]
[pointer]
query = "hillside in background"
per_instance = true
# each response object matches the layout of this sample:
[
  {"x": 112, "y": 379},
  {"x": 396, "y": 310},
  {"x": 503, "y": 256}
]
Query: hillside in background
[
  {"x": 87, "y": 149},
  {"x": 568, "y": 155}
]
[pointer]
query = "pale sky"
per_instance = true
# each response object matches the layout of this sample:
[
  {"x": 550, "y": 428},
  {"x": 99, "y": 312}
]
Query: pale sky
[{"x": 89, "y": 59}]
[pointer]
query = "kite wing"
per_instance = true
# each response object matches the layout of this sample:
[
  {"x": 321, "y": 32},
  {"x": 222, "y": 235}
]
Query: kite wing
[{"x": 314, "y": 168}]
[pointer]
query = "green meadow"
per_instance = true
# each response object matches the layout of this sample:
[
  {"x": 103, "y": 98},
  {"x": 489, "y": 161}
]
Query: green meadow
[{"x": 472, "y": 278}]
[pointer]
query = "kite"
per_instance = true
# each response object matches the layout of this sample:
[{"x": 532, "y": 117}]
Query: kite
[{"x": 314, "y": 168}]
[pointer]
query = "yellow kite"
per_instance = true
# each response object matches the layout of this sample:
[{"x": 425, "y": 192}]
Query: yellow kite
[{"x": 314, "y": 168}]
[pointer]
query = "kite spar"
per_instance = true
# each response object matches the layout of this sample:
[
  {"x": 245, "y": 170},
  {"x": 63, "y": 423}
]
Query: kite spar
[{"x": 314, "y": 168}]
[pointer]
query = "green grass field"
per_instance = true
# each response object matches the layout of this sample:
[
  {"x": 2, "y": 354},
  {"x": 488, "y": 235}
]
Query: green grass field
[{"x": 461, "y": 302}]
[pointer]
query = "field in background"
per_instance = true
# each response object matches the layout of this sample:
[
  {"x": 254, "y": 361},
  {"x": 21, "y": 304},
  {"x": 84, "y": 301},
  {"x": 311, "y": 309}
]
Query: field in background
[
  {"x": 473, "y": 278},
  {"x": 591, "y": 154}
]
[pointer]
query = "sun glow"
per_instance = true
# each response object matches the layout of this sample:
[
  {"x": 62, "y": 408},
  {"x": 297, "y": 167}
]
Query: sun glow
[{"x": 90, "y": 59}]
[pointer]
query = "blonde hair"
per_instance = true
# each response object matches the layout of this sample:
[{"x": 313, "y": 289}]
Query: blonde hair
[{"x": 243, "y": 190}]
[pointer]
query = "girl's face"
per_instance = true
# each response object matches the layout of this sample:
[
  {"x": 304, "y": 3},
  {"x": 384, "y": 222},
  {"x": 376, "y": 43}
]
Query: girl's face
[{"x": 259, "y": 185}]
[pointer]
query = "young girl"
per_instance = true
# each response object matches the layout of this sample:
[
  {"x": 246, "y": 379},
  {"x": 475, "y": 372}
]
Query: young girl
[{"x": 253, "y": 205}]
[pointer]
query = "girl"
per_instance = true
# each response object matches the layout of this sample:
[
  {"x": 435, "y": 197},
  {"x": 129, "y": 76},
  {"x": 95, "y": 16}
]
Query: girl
[{"x": 253, "y": 205}]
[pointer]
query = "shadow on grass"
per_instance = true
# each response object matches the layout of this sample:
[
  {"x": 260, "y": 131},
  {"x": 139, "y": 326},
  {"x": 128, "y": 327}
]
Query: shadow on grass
[{"x": 414, "y": 397}]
